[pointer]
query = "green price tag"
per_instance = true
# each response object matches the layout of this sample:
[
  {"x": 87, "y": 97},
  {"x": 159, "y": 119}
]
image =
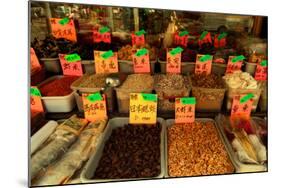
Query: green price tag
[
  {"x": 176, "y": 50},
  {"x": 183, "y": 33},
  {"x": 35, "y": 92},
  {"x": 104, "y": 30},
  {"x": 141, "y": 32},
  {"x": 149, "y": 97},
  {"x": 107, "y": 54},
  {"x": 222, "y": 35},
  {"x": 264, "y": 63},
  {"x": 246, "y": 98},
  {"x": 94, "y": 97},
  {"x": 141, "y": 52},
  {"x": 238, "y": 58},
  {"x": 188, "y": 100},
  {"x": 72, "y": 58},
  {"x": 203, "y": 35},
  {"x": 64, "y": 21},
  {"x": 205, "y": 58}
]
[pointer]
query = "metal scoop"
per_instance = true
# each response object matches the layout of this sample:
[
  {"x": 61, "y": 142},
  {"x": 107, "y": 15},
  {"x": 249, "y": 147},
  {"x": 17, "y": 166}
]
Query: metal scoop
[{"x": 111, "y": 81}]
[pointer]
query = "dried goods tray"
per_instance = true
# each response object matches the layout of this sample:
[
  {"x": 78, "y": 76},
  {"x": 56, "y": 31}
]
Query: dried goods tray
[
  {"x": 170, "y": 122},
  {"x": 239, "y": 165},
  {"x": 93, "y": 162}
]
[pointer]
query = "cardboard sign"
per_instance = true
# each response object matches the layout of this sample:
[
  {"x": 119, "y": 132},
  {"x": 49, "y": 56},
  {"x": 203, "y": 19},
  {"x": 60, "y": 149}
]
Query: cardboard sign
[
  {"x": 174, "y": 60},
  {"x": 185, "y": 110},
  {"x": 220, "y": 40},
  {"x": 143, "y": 108},
  {"x": 71, "y": 64},
  {"x": 181, "y": 38},
  {"x": 35, "y": 100},
  {"x": 106, "y": 61},
  {"x": 35, "y": 65},
  {"x": 261, "y": 71},
  {"x": 242, "y": 105},
  {"x": 138, "y": 37},
  {"x": 102, "y": 35},
  {"x": 205, "y": 37},
  {"x": 203, "y": 64},
  {"x": 94, "y": 106},
  {"x": 63, "y": 28},
  {"x": 234, "y": 63},
  {"x": 141, "y": 61}
]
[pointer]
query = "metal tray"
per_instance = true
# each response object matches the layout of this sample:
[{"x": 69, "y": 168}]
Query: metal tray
[
  {"x": 92, "y": 164},
  {"x": 170, "y": 122}
]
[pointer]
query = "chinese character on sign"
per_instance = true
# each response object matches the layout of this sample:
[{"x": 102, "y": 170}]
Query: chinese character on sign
[
  {"x": 102, "y": 35},
  {"x": 71, "y": 64},
  {"x": 106, "y": 61},
  {"x": 141, "y": 61},
  {"x": 261, "y": 71},
  {"x": 65, "y": 29},
  {"x": 242, "y": 105},
  {"x": 185, "y": 110},
  {"x": 174, "y": 60},
  {"x": 203, "y": 64},
  {"x": 94, "y": 106},
  {"x": 181, "y": 38}
]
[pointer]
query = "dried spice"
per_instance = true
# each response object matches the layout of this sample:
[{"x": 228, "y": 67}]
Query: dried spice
[
  {"x": 207, "y": 81},
  {"x": 126, "y": 52}
]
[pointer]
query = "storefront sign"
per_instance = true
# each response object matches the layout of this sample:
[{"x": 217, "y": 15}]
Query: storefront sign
[
  {"x": 234, "y": 63},
  {"x": 143, "y": 108},
  {"x": 94, "y": 106},
  {"x": 138, "y": 37},
  {"x": 181, "y": 38},
  {"x": 71, "y": 64},
  {"x": 220, "y": 40},
  {"x": 261, "y": 71},
  {"x": 35, "y": 100},
  {"x": 106, "y": 61},
  {"x": 141, "y": 61},
  {"x": 63, "y": 28},
  {"x": 174, "y": 60},
  {"x": 102, "y": 35},
  {"x": 185, "y": 110},
  {"x": 242, "y": 105},
  {"x": 203, "y": 64}
]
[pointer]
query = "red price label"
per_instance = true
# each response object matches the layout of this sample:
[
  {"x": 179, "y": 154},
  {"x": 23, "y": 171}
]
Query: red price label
[
  {"x": 203, "y": 64},
  {"x": 101, "y": 37},
  {"x": 205, "y": 38},
  {"x": 35, "y": 65},
  {"x": 242, "y": 105},
  {"x": 63, "y": 28},
  {"x": 261, "y": 71},
  {"x": 220, "y": 40},
  {"x": 70, "y": 66},
  {"x": 185, "y": 110},
  {"x": 141, "y": 62},
  {"x": 35, "y": 100},
  {"x": 173, "y": 62},
  {"x": 180, "y": 40},
  {"x": 233, "y": 66},
  {"x": 94, "y": 108},
  {"x": 138, "y": 40}
]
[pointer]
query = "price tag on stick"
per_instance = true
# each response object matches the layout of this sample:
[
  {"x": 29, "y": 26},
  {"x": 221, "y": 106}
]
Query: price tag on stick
[
  {"x": 102, "y": 35},
  {"x": 181, "y": 38},
  {"x": 94, "y": 106},
  {"x": 63, "y": 28},
  {"x": 71, "y": 64},
  {"x": 242, "y": 105},
  {"x": 106, "y": 61},
  {"x": 138, "y": 37},
  {"x": 174, "y": 60},
  {"x": 35, "y": 100},
  {"x": 203, "y": 64},
  {"x": 141, "y": 61},
  {"x": 234, "y": 63},
  {"x": 185, "y": 110},
  {"x": 261, "y": 71},
  {"x": 143, "y": 108}
]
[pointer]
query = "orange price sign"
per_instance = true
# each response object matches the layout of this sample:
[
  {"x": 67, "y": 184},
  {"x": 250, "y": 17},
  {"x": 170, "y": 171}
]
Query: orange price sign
[
  {"x": 181, "y": 38},
  {"x": 35, "y": 100},
  {"x": 203, "y": 64},
  {"x": 71, "y": 64},
  {"x": 63, "y": 28},
  {"x": 185, "y": 110},
  {"x": 102, "y": 35},
  {"x": 94, "y": 106},
  {"x": 35, "y": 65},
  {"x": 234, "y": 63},
  {"x": 242, "y": 105},
  {"x": 141, "y": 61},
  {"x": 138, "y": 38},
  {"x": 261, "y": 71},
  {"x": 174, "y": 60},
  {"x": 106, "y": 61},
  {"x": 143, "y": 108}
]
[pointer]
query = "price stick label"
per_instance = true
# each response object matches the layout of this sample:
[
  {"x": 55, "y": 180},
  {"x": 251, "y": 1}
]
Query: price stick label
[
  {"x": 35, "y": 100},
  {"x": 220, "y": 40},
  {"x": 181, "y": 38},
  {"x": 94, "y": 106},
  {"x": 261, "y": 71},
  {"x": 185, "y": 110},
  {"x": 203, "y": 64},
  {"x": 71, "y": 64},
  {"x": 63, "y": 28},
  {"x": 143, "y": 108},
  {"x": 174, "y": 60},
  {"x": 141, "y": 61},
  {"x": 205, "y": 37},
  {"x": 242, "y": 105},
  {"x": 138, "y": 37},
  {"x": 102, "y": 35},
  {"x": 106, "y": 61},
  {"x": 34, "y": 60},
  {"x": 234, "y": 63}
]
